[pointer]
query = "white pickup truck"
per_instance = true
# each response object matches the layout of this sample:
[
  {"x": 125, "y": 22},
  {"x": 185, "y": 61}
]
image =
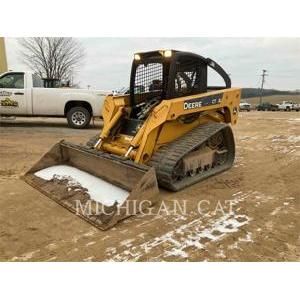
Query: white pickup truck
[
  {"x": 288, "y": 105},
  {"x": 23, "y": 94}
]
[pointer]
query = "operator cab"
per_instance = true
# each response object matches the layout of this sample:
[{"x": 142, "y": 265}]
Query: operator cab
[{"x": 166, "y": 74}]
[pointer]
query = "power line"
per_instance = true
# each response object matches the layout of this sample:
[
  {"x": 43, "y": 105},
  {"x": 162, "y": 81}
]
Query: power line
[{"x": 263, "y": 75}]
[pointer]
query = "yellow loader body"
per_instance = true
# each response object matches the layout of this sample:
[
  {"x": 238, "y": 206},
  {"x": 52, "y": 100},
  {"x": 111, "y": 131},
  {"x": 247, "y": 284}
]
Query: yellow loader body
[{"x": 171, "y": 130}]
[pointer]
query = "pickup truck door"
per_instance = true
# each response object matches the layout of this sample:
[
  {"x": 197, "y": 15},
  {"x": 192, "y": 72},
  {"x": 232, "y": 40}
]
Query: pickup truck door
[{"x": 13, "y": 94}]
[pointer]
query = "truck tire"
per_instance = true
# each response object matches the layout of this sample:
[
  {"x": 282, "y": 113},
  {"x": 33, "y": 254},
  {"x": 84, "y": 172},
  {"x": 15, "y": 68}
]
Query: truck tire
[{"x": 78, "y": 117}]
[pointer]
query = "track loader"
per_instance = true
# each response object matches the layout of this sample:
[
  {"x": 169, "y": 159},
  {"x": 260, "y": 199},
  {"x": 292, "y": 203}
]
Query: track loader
[{"x": 171, "y": 130}]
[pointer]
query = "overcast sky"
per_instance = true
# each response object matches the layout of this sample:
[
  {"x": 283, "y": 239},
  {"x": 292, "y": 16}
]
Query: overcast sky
[{"x": 108, "y": 60}]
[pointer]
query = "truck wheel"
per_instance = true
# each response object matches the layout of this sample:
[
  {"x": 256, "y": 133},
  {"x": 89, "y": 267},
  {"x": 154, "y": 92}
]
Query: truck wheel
[
  {"x": 78, "y": 117},
  {"x": 288, "y": 108}
]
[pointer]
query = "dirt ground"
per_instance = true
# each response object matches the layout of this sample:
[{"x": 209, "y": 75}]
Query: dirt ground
[{"x": 249, "y": 213}]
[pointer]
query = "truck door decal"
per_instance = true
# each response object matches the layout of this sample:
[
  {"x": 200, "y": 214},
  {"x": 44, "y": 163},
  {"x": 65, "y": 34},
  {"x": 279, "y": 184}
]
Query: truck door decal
[
  {"x": 5, "y": 94},
  {"x": 7, "y": 102}
]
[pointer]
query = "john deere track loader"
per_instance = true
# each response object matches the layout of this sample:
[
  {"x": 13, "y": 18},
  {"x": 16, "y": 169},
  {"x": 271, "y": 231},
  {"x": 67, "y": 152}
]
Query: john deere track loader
[{"x": 171, "y": 130}]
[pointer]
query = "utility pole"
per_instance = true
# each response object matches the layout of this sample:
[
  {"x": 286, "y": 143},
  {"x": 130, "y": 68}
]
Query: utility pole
[{"x": 263, "y": 75}]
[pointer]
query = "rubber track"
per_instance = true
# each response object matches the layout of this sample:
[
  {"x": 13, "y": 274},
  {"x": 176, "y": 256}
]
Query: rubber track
[{"x": 166, "y": 158}]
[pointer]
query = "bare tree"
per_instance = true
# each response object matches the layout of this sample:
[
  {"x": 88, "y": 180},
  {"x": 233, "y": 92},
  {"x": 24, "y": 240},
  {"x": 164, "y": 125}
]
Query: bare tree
[{"x": 52, "y": 57}]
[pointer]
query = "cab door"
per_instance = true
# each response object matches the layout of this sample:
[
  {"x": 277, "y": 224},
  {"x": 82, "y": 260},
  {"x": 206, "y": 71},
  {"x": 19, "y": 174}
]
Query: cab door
[{"x": 12, "y": 94}]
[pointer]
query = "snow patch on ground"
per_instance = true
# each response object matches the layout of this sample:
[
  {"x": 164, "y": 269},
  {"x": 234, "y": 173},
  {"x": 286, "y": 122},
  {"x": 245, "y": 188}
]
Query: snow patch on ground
[
  {"x": 285, "y": 144},
  {"x": 294, "y": 139},
  {"x": 99, "y": 190},
  {"x": 247, "y": 238},
  {"x": 90, "y": 232},
  {"x": 90, "y": 243},
  {"x": 89, "y": 259},
  {"x": 127, "y": 242},
  {"x": 177, "y": 252},
  {"x": 221, "y": 254},
  {"x": 111, "y": 250},
  {"x": 290, "y": 139},
  {"x": 275, "y": 211},
  {"x": 25, "y": 256},
  {"x": 188, "y": 235},
  {"x": 52, "y": 258},
  {"x": 51, "y": 246}
]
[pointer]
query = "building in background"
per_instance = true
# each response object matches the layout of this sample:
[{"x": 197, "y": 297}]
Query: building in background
[{"x": 3, "y": 60}]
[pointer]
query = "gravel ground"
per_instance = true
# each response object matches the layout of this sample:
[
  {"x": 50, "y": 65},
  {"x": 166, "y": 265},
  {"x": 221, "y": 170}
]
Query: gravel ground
[{"x": 249, "y": 213}]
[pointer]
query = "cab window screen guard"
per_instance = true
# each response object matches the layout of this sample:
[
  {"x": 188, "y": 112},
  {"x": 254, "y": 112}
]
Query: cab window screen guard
[{"x": 148, "y": 81}]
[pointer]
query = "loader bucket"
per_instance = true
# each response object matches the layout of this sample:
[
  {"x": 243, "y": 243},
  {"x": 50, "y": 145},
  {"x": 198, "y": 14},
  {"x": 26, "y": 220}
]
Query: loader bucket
[{"x": 101, "y": 188}]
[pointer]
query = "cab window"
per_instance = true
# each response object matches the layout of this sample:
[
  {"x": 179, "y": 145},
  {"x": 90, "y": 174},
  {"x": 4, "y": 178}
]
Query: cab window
[
  {"x": 37, "y": 82},
  {"x": 12, "y": 81},
  {"x": 190, "y": 77}
]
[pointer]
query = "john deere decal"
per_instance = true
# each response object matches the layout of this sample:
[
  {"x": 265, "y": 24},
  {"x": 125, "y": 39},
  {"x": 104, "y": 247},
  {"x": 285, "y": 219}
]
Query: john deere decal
[{"x": 204, "y": 101}]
